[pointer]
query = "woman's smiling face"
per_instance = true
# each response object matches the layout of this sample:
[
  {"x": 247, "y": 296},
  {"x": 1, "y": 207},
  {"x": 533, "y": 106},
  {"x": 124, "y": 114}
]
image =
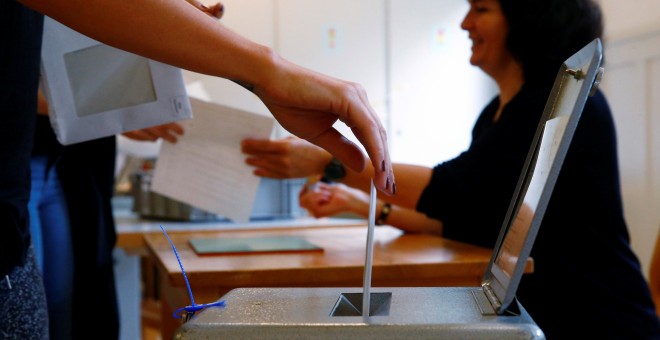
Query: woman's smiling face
[{"x": 488, "y": 29}]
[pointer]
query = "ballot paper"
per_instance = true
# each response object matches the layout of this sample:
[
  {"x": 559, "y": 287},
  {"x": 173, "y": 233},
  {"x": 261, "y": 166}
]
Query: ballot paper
[
  {"x": 368, "y": 262},
  {"x": 205, "y": 168}
]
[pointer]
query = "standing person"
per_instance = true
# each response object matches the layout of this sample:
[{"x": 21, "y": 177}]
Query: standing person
[
  {"x": 72, "y": 226},
  {"x": 87, "y": 173},
  {"x": 304, "y": 102},
  {"x": 49, "y": 225},
  {"x": 72, "y": 223},
  {"x": 587, "y": 282}
]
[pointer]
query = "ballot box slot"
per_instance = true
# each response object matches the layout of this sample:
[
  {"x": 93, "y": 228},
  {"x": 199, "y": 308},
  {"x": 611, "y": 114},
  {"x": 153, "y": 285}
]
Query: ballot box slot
[{"x": 350, "y": 304}]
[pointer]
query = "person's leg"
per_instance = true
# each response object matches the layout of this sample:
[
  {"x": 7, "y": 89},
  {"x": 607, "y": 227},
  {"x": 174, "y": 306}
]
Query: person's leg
[
  {"x": 86, "y": 171},
  {"x": 58, "y": 256},
  {"x": 38, "y": 171},
  {"x": 23, "y": 311}
]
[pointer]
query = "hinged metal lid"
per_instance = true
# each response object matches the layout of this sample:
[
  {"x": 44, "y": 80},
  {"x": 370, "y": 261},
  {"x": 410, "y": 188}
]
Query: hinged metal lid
[{"x": 578, "y": 78}]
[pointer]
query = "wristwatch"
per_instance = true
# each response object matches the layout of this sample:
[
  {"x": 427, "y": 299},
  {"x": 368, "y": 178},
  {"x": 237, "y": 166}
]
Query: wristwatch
[
  {"x": 333, "y": 171},
  {"x": 387, "y": 209}
]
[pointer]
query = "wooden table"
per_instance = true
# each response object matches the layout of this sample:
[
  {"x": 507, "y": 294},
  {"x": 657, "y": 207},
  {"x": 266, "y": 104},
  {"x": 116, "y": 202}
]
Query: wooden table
[
  {"x": 400, "y": 260},
  {"x": 138, "y": 298}
]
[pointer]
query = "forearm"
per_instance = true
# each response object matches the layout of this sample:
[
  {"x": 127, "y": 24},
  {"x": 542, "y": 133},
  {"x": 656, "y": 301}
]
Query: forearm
[
  {"x": 410, "y": 182},
  {"x": 173, "y": 32},
  {"x": 42, "y": 104},
  {"x": 408, "y": 220},
  {"x": 412, "y": 221}
]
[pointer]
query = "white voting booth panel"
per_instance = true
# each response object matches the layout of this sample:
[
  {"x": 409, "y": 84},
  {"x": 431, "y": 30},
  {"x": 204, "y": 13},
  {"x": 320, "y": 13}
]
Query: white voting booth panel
[{"x": 490, "y": 311}]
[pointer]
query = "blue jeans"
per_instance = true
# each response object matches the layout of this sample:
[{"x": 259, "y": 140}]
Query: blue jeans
[{"x": 51, "y": 234}]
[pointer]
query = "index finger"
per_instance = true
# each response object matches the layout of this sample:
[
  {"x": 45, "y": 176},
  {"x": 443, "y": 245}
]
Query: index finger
[
  {"x": 351, "y": 155},
  {"x": 215, "y": 11},
  {"x": 260, "y": 146},
  {"x": 366, "y": 126}
]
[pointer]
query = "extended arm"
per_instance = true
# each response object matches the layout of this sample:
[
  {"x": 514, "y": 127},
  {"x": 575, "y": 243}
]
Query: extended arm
[
  {"x": 323, "y": 199},
  {"x": 295, "y": 158},
  {"x": 304, "y": 102}
]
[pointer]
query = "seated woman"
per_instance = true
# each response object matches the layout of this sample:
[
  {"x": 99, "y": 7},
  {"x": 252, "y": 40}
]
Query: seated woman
[
  {"x": 587, "y": 281},
  {"x": 654, "y": 275}
]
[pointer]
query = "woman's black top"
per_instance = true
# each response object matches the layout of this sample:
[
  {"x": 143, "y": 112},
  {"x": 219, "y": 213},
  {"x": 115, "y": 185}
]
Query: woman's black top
[{"x": 586, "y": 280}]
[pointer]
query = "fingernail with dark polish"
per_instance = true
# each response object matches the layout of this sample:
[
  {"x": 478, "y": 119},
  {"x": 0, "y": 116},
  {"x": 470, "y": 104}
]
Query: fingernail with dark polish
[
  {"x": 393, "y": 188},
  {"x": 382, "y": 165}
]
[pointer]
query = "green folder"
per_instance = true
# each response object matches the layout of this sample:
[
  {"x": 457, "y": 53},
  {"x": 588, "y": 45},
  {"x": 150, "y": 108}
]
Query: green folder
[{"x": 207, "y": 246}]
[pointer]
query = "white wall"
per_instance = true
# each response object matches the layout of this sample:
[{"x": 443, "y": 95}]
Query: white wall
[
  {"x": 435, "y": 94},
  {"x": 630, "y": 17},
  {"x": 341, "y": 38},
  {"x": 631, "y": 83}
]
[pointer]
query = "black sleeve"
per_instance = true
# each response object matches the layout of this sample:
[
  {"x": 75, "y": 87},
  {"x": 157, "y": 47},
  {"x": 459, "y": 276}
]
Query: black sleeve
[{"x": 471, "y": 193}]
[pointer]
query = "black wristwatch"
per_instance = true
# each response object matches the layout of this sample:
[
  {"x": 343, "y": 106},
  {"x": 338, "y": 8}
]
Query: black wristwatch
[{"x": 333, "y": 171}]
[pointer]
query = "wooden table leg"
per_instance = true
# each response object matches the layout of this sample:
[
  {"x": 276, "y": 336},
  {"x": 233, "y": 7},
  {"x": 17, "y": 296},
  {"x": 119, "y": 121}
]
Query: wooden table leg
[{"x": 170, "y": 300}]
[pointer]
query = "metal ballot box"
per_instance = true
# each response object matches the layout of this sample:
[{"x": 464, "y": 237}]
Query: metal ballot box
[
  {"x": 490, "y": 311},
  {"x": 334, "y": 313}
]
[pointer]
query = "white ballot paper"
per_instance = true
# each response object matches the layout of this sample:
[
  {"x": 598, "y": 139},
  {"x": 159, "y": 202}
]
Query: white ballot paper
[
  {"x": 368, "y": 262},
  {"x": 206, "y": 168}
]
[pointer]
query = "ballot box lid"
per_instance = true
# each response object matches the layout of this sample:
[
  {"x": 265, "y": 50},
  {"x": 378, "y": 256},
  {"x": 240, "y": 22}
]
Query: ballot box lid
[{"x": 577, "y": 79}]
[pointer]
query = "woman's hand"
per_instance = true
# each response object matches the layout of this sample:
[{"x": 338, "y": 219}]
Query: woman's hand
[
  {"x": 289, "y": 157},
  {"x": 168, "y": 132},
  {"x": 322, "y": 199},
  {"x": 307, "y": 104}
]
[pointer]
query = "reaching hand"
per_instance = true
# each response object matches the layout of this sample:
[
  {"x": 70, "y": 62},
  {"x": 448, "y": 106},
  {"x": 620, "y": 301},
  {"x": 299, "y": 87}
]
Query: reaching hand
[
  {"x": 307, "y": 104},
  {"x": 168, "y": 132},
  {"x": 289, "y": 157},
  {"x": 322, "y": 199}
]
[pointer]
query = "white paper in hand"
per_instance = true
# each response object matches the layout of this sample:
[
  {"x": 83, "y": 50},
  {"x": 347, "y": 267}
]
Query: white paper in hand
[{"x": 206, "y": 168}]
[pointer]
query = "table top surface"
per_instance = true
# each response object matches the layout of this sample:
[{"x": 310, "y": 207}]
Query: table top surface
[
  {"x": 131, "y": 228},
  {"x": 342, "y": 260}
]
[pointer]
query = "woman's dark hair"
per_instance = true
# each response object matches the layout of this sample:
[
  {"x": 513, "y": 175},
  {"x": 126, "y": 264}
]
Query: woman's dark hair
[{"x": 544, "y": 33}]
